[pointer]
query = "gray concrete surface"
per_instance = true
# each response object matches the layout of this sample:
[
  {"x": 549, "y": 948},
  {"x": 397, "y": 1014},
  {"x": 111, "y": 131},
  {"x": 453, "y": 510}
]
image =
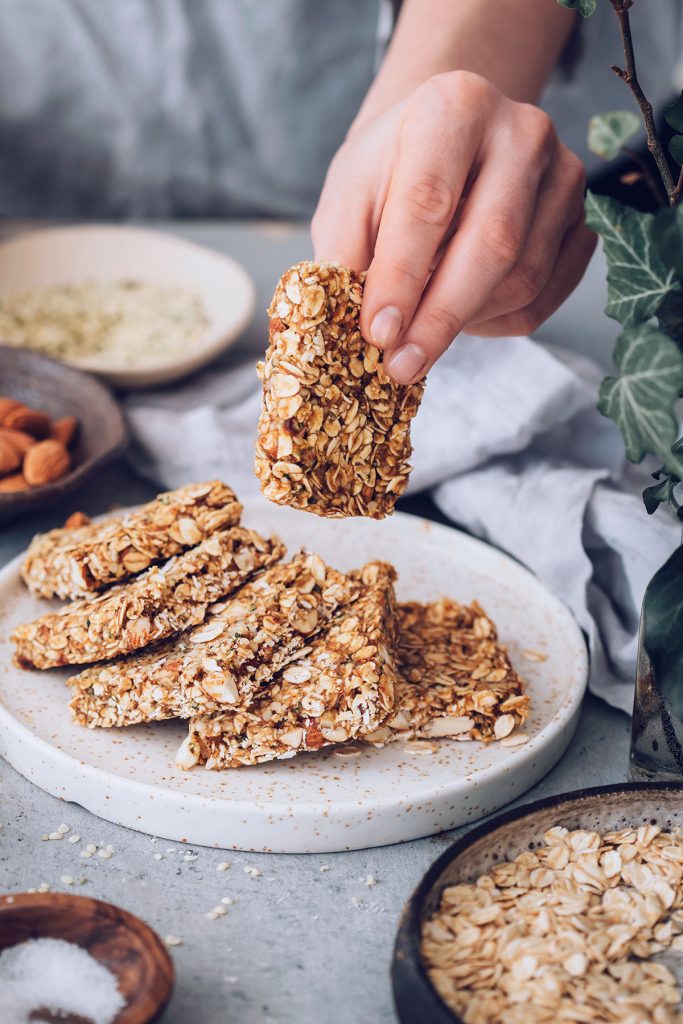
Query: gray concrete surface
[{"x": 299, "y": 945}]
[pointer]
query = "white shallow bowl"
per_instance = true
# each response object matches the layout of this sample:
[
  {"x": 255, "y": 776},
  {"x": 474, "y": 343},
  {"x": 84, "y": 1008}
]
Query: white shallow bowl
[
  {"x": 315, "y": 802},
  {"x": 49, "y": 256}
]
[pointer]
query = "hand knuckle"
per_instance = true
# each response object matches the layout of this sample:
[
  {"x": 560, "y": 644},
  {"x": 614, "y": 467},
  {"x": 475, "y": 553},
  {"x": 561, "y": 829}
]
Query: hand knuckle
[
  {"x": 430, "y": 200},
  {"x": 527, "y": 320},
  {"x": 442, "y": 321},
  {"x": 501, "y": 240},
  {"x": 527, "y": 279}
]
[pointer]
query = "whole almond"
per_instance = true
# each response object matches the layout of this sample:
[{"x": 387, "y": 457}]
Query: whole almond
[
  {"x": 75, "y": 520},
  {"x": 11, "y": 484},
  {"x": 45, "y": 462},
  {"x": 38, "y": 424},
  {"x": 8, "y": 405},
  {"x": 17, "y": 438},
  {"x": 64, "y": 430},
  {"x": 10, "y": 458}
]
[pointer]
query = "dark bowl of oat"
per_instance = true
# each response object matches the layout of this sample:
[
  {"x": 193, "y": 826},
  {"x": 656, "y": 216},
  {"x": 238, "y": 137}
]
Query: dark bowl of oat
[
  {"x": 57, "y": 427},
  {"x": 571, "y": 901}
]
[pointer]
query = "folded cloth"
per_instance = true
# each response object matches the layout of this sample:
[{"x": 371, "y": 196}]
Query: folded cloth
[{"x": 511, "y": 445}]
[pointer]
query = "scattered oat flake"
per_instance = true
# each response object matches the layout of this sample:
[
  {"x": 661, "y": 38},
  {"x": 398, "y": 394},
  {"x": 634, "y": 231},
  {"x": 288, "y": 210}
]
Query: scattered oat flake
[
  {"x": 158, "y": 856},
  {"x": 254, "y": 872},
  {"x": 56, "y": 835},
  {"x": 370, "y": 881},
  {"x": 74, "y": 838},
  {"x": 516, "y": 740},
  {"x": 227, "y": 901},
  {"x": 66, "y": 879},
  {"x": 63, "y": 829},
  {"x": 217, "y": 911},
  {"x": 223, "y": 866},
  {"x": 173, "y": 940},
  {"x": 531, "y": 655},
  {"x": 323, "y": 868}
]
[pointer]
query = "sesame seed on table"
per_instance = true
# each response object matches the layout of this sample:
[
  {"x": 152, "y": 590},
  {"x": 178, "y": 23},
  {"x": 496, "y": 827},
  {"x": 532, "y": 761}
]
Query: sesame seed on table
[{"x": 255, "y": 938}]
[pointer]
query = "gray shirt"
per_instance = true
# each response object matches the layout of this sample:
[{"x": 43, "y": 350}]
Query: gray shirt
[{"x": 223, "y": 108}]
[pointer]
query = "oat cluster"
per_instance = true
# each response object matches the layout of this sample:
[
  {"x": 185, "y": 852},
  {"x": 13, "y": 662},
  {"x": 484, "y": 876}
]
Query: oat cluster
[
  {"x": 565, "y": 932},
  {"x": 164, "y": 600},
  {"x": 455, "y": 678},
  {"x": 334, "y": 432},
  {"x": 263, "y": 658},
  {"x": 342, "y": 684},
  {"x": 75, "y": 562}
]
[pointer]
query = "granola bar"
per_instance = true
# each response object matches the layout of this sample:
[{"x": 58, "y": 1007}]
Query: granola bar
[
  {"x": 71, "y": 563},
  {"x": 162, "y": 601},
  {"x": 454, "y": 677},
  {"x": 342, "y": 684},
  {"x": 334, "y": 432},
  {"x": 241, "y": 644}
]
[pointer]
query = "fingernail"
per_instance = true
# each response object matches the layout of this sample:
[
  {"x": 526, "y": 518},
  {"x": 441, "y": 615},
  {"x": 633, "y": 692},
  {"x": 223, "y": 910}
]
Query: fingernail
[
  {"x": 406, "y": 363},
  {"x": 386, "y": 326}
]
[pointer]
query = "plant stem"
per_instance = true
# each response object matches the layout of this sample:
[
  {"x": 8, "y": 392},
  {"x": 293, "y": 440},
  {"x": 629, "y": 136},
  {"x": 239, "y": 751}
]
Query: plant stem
[
  {"x": 649, "y": 179},
  {"x": 630, "y": 77},
  {"x": 679, "y": 188}
]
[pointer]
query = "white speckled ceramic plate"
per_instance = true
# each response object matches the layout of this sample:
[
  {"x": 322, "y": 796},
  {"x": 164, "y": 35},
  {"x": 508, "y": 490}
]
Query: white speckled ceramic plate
[{"x": 317, "y": 802}]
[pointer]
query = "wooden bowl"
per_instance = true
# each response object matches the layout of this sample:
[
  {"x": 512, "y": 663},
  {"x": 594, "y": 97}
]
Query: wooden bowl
[
  {"x": 127, "y": 946},
  {"x": 59, "y": 390},
  {"x": 504, "y": 837}
]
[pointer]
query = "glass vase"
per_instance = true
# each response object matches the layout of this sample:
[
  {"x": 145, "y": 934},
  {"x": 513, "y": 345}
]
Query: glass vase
[{"x": 657, "y": 729}]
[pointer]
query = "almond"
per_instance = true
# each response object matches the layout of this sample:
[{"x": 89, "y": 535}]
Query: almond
[
  {"x": 17, "y": 438},
  {"x": 8, "y": 405},
  {"x": 45, "y": 462},
  {"x": 75, "y": 520},
  {"x": 10, "y": 458},
  {"x": 64, "y": 430},
  {"x": 10, "y": 484},
  {"x": 38, "y": 424}
]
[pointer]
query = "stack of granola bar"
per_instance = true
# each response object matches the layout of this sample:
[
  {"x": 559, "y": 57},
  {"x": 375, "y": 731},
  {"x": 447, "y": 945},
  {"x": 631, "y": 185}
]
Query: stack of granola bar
[{"x": 179, "y": 612}]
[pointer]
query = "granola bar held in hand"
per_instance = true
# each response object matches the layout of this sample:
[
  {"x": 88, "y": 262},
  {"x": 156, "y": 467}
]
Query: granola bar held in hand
[
  {"x": 71, "y": 563},
  {"x": 454, "y": 677},
  {"x": 162, "y": 601},
  {"x": 342, "y": 685},
  {"x": 334, "y": 433},
  {"x": 241, "y": 644}
]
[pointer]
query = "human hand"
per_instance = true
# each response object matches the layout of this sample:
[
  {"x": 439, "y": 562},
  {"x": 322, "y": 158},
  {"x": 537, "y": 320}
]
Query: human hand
[{"x": 467, "y": 212}]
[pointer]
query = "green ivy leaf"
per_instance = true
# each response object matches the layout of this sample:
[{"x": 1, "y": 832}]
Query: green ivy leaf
[
  {"x": 638, "y": 281},
  {"x": 584, "y": 7},
  {"x": 607, "y": 133},
  {"x": 641, "y": 399},
  {"x": 660, "y": 493},
  {"x": 673, "y": 114},
  {"x": 676, "y": 148},
  {"x": 667, "y": 234}
]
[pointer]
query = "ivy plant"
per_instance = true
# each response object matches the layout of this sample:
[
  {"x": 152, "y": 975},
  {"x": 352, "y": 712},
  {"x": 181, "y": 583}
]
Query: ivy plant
[{"x": 644, "y": 255}]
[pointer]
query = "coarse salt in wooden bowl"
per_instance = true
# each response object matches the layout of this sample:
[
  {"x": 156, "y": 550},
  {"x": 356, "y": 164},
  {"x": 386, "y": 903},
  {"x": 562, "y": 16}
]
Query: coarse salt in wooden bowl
[
  {"x": 59, "y": 390},
  {"x": 124, "y": 944}
]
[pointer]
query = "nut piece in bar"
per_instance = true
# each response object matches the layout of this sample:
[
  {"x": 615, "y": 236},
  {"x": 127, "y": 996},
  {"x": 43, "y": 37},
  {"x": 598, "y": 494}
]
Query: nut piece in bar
[
  {"x": 71, "y": 563},
  {"x": 454, "y": 678},
  {"x": 334, "y": 432},
  {"x": 162, "y": 601},
  {"x": 242, "y": 643},
  {"x": 343, "y": 684}
]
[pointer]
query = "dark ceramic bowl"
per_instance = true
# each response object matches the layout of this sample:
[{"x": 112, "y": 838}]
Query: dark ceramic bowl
[
  {"x": 127, "y": 946},
  {"x": 502, "y": 838},
  {"x": 60, "y": 390}
]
